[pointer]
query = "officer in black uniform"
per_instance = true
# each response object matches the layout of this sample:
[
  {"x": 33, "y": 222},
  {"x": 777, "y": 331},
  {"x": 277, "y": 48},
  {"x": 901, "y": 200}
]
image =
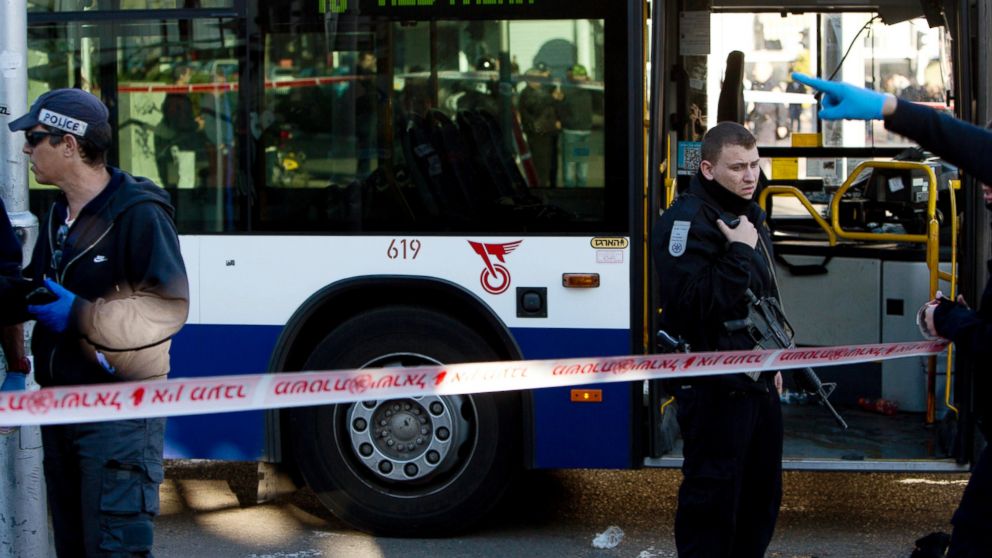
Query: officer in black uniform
[{"x": 731, "y": 425}]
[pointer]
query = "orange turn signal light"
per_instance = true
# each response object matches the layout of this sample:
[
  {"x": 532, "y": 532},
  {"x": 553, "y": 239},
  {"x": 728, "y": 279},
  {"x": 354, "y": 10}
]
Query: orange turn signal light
[
  {"x": 587, "y": 396},
  {"x": 580, "y": 280}
]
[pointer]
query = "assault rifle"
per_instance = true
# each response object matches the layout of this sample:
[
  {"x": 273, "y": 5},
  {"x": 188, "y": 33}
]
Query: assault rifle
[
  {"x": 668, "y": 344},
  {"x": 768, "y": 327}
]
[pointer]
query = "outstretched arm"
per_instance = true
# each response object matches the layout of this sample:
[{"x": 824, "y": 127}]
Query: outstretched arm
[
  {"x": 845, "y": 101},
  {"x": 969, "y": 331},
  {"x": 958, "y": 142}
]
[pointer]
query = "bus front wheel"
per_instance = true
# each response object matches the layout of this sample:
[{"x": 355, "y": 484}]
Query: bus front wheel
[{"x": 412, "y": 467}]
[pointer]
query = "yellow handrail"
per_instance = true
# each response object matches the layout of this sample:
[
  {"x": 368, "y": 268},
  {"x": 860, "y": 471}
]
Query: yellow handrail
[
  {"x": 931, "y": 239},
  {"x": 670, "y": 177},
  {"x": 885, "y": 237},
  {"x": 952, "y": 279},
  {"x": 795, "y": 192}
]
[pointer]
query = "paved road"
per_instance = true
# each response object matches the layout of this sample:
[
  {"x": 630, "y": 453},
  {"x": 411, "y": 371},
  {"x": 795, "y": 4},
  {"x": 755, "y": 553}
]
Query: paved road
[{"x": 554, "y": 514}]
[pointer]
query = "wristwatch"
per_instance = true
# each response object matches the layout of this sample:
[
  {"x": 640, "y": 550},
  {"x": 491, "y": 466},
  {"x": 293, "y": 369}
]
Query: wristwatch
[{"x": 22, "y": 364}]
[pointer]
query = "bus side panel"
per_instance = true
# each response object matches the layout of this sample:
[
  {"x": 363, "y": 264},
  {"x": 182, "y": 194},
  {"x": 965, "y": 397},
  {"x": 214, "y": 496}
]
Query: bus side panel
[
  {"x": 240, "y": 302},
  {"x": 579, "y": 435},
  {"x": 595, "y": 435},
  {"x": 214, "y": 350}
]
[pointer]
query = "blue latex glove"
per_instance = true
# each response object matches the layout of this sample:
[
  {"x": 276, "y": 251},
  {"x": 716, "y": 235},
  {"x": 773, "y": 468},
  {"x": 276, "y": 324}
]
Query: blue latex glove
[
  {"x": 845, "y": 101},
  {"x": 55, "y": 315},
  {"x": 14, "y": 381}
]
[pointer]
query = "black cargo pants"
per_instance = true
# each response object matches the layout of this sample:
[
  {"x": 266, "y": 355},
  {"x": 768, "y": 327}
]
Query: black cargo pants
[
  {"x": 103, "y": 480},
  {"x": 732, "y": 472},
  {"x": 972, "y": 535}
]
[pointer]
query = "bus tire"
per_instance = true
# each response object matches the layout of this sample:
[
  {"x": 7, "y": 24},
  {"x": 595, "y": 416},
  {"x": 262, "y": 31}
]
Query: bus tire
[{"x": 461, "y": 467}]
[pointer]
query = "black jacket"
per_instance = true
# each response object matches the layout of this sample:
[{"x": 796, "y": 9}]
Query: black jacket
[
  {"x": 121, "y": 258},
  {"x": 703, "y": 284},
  {"x": 576, "y": 108},
  {"x": 971, "y": 332},
  {"x": 538, "y": 115},
  {"x": 958, "y": 142}
]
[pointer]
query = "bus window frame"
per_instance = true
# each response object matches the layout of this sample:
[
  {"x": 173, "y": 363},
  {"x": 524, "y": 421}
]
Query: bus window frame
[{"x": 618, "y": 216}]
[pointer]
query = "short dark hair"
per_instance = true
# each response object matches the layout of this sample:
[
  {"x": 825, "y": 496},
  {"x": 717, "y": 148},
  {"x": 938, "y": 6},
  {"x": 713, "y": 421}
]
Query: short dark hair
[
  {"x": 89, "y": 148},
  {"x": 724, "y": 134}
]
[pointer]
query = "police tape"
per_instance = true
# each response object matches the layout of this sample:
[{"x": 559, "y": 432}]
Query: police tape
[{"x": 219, "y": 394}]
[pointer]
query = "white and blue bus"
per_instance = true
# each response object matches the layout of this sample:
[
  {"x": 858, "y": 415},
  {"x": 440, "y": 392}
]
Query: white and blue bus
[{"x": 385, "y": 183}]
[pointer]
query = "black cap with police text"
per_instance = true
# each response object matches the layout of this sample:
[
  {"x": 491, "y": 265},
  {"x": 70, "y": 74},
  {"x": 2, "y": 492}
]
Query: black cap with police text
[{"x": 73, "y": 111}]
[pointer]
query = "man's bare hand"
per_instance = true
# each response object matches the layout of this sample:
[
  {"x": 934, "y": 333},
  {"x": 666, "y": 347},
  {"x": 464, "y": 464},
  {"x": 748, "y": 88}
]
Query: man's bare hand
[{"x": 745, "y": 232}]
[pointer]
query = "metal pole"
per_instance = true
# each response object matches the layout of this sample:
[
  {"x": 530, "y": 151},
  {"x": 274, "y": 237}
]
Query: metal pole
[
  {"x": 984, "y": 84},
  {"x": 23, "y": 508}
]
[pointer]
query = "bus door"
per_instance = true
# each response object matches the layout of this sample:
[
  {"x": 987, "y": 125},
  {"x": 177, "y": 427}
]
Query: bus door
[{"x": 850, "y": 237}]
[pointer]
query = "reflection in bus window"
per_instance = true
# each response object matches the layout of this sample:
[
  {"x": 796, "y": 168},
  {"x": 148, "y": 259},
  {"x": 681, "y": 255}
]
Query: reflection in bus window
[
  {"x": 903, "y": 59},
  {"x": 176, "y": 107},
  {"x": 66, "y": 55},
  {"x": 448, "y": 126},
  {"x": 775, "y": 106}
]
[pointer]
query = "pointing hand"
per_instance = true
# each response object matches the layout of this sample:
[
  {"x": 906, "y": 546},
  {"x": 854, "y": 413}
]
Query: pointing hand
[{"x": 845, "y": 101}]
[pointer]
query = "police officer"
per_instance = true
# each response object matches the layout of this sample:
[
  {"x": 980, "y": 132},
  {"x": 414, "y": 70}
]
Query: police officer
[
  {"x": 539, "y": 120},
  {"x": 109, "y": 255},
  {"x": 731, "y": 425},
  {"x": 968, "y": 147}
]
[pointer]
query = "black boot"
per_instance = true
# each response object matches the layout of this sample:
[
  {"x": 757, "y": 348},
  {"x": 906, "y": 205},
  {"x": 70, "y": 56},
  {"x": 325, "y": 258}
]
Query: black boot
[{"x": 933, "y": 545}]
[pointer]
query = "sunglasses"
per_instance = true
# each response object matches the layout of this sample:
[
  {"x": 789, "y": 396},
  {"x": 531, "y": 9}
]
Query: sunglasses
[
  {"x": 34, "y": 137},
  {"x": 59, "y": 245}
]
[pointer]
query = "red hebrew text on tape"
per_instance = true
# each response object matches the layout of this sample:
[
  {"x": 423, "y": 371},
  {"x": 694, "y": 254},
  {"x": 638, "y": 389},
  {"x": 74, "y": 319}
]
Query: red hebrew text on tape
[{"x": 272, "y": 391}]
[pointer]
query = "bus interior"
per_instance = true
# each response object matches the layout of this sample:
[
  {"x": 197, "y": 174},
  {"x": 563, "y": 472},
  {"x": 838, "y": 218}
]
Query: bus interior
[{"x": 864, "y": 223}]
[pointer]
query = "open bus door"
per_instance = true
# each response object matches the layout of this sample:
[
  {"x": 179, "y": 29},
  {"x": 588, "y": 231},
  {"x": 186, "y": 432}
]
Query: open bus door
[{"x": 857, "y": 253}]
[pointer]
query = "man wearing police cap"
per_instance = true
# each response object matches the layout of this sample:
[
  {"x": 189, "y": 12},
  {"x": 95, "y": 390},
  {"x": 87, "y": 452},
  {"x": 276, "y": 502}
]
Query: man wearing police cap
[
  {"x": 712, "y": 253},
  {"x": 115, "y": 292}
]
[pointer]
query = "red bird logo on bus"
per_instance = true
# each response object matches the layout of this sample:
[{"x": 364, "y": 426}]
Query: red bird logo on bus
[{"x": 495, "y": 278}]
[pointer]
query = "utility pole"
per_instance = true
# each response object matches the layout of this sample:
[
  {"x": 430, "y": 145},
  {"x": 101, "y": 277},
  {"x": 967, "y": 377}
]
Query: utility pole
[{"x": 23, "y": 508}]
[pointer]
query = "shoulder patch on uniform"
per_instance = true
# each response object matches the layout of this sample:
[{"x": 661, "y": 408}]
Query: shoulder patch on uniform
[
  {"x": 685, "y": 206},
  {"x": 679, "y": 238}
]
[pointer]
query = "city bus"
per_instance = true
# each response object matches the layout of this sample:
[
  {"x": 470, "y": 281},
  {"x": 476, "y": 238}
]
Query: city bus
[{"x": 387, "y": 183}]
